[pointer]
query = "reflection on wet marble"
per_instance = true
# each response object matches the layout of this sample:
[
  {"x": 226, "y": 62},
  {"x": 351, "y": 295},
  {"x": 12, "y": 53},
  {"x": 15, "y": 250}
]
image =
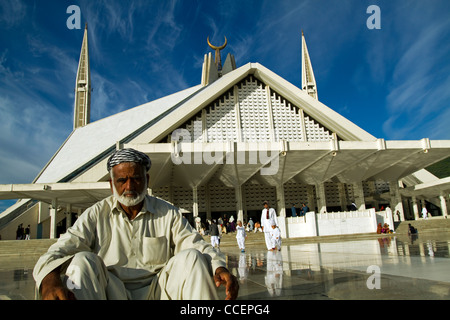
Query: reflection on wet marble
[
  {"x": 382, "y": 268},
  {"x": 394, "y": 267}
]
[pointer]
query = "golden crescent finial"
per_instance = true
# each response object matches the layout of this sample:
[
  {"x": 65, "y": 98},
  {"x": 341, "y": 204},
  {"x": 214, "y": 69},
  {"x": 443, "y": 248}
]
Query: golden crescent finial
[{"x": 217, "y": 48}]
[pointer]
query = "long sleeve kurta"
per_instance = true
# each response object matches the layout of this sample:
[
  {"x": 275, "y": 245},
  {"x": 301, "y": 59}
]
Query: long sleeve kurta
[
  {"x": 134, "y": 251},
  {"x": 266, "y": 222}
]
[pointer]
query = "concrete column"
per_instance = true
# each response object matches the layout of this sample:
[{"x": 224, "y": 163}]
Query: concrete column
[
  {"x": 53, "y": 211},
  {"x": 281, "y": 211},
  {"x": 415, "y": 208},
  {"x": 239, "y": 203},
  {"x": 311, "y": 202},
  {"x": 342, "y": 196},
  {"x": 321, "y": 198},
  {"x": 69, "y": 216},
  {"x": 208, "y": 204},
  {"x": 358, "y": 192},
  {"x": 396, "y": 199},
  {"x": 281, "y": 202},
  {"x": 372, "y": 192},
  {"x": 444, "y": 208},
  {"x": 195, "y": 202}
]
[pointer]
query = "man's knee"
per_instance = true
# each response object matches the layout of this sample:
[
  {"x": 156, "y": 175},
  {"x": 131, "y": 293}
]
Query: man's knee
[
  {"x": 191, "y": 258},
  {"x": 86, "y": 257},
  {"x": 189, "y": 254},
  {"x": 85, "y": 263}
]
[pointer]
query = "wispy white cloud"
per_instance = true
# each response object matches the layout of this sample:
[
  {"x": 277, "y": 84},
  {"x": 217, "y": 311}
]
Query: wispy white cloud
[
  {"x": 420, "y": 83},
  {"x": 12, "y": 12}
]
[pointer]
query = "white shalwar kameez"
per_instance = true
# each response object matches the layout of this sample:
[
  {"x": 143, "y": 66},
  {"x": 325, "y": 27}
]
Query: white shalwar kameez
[
  {"x": 266, "y": 223},
  {"x": 157, "y": 255},
  {"x": 275, "y": 234},
  {"x": 240, "y": 237}
]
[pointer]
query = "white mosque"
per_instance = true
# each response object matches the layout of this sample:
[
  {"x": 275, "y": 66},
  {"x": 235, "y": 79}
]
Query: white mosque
[{"x": 240, "y": 137}]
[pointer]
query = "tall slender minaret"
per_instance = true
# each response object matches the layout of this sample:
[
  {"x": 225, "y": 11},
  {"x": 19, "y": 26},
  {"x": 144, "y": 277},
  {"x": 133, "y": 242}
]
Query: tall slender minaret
[
  {"x": 83, "y": 87},
  {"x": 308, "y": 80}
]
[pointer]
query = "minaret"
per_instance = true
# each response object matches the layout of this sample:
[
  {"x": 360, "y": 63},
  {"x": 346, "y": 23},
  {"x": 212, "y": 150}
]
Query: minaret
[
  {"x": 83, "y": 87},
  {"x": 308, "y": 80}
]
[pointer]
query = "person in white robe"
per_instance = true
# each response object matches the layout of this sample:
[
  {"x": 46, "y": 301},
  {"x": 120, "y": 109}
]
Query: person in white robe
[
  {"x": 132, "y": 246},
  {"x": 268, "y": 216},
  {"x": 275, "y": 234},
  {"x": 240, "y": 235}
]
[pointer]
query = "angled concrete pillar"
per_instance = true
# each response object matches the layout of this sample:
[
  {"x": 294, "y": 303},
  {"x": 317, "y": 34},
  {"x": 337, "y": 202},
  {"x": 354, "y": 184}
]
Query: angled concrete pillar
[
  {"x": 396, "y": 199},
  {"x": 443, "y": 200},
  {"x": 68, "y": 216},
  {"x": 342, "y": 196},
  {"x": 239, "y": 203},
  {"x": 311, "y": 200},
  {"x": 53, "y": 211},
  {"x": 321, "y": 198},
  {"x": 415, "y": 208},
  {"x": 358, "y": 192},
  {"x": 195, "y": 202},
  {"x": 208, "y": 204}
]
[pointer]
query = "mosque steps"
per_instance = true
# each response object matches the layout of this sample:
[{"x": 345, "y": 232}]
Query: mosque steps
[
  {"x": 437, "y": 224},
  {"x": 25, "y": 247},
  {"x": 22, "y": 254}
]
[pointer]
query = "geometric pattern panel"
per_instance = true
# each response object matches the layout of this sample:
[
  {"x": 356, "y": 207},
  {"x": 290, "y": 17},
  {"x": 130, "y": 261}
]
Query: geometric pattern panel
[
  {"x": 295, "y": 193},
  {"x": 257, "y": 107},
  {"x": 222, "y": 198},
  {"x": 221, "y": 120},
  {"x": 256, "y": 194},
  {"x": 254, "y": 111},
  {"x": 315, "y": 131},
  {"x": 287, "y": 119},
  {"x": 332, "y": 194}
]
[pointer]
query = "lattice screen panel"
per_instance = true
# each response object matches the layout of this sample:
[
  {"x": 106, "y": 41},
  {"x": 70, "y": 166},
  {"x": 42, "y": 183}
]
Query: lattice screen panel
[
  {"x": 222, "y": 198},
  {"x": 256, "y": 194},
  {"x": 332, "y": 194},
  {"x": 287, "y": 120},
  {"x": 162, "y": 192},
  {"x": 221, "y": 120},
  {"x": 254, "y": 111},
  {"x": 182, "y": 198},
  {"x": 295, "y": 193},
  {"x": 316, "y": 132},
  {"x": 349, "y": 194},
  {"x": 381, "y": 186}
]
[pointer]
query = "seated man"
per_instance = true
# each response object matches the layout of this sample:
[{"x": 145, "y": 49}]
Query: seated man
[{"x": 132, "y": 246}]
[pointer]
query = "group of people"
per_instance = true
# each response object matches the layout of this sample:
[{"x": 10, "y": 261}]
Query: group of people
[
  {"x": 269, "y": 225},
  {"x": 303, "y": 210},
  {"x": 23, "y": 233},
  {"x": 383, "y": 228}
]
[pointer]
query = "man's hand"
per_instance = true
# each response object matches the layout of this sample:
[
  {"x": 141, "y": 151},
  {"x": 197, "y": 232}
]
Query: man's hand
[
  {"x": 223, "y": 276},
  {"x": 52, "y": 287}
]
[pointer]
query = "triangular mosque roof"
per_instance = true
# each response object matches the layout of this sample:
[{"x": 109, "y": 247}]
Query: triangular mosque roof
[
  {"x": 154, "y": 120},
  {"x": 96, "y": 140}
]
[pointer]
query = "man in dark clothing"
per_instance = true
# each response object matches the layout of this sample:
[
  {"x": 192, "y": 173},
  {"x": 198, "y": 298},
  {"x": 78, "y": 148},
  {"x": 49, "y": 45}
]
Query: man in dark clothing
[{"x": 214, "y": 232}]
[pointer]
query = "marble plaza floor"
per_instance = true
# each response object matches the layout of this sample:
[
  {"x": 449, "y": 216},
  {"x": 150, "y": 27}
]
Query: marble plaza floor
[{"x": 322, "y": 268}]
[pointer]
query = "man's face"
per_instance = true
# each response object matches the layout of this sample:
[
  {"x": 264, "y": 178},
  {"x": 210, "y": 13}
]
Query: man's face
[
  {"x": 129, "y": 183},
  {"x": 266, "y": 205}
]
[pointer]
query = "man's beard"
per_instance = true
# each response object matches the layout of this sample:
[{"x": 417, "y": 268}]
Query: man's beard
[{"x": 130, "y": 201}]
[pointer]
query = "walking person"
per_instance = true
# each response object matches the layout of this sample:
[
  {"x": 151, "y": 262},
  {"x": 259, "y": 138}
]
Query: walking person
[
  {"x": 240, "y": 236},
  {"x": 27, "y": 233},
  {"x": 275, "y": 233},
  {"x": 268, "y": 216},
  {"x": 424, "y": 212},
  {"x": 214, "y": 232}
]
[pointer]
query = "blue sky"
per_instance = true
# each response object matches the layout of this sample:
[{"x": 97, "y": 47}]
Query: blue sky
[{"x": 393, "y": 82}]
